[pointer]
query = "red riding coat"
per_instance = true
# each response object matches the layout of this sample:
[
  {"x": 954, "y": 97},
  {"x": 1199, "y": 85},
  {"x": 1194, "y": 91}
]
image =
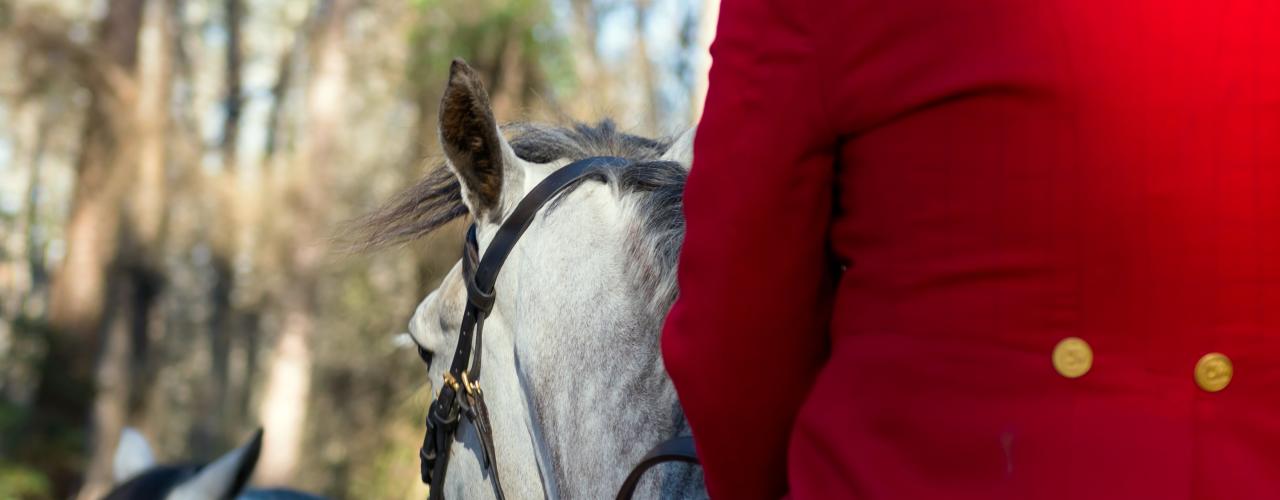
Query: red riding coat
[{"x": 1059, "y": 228}]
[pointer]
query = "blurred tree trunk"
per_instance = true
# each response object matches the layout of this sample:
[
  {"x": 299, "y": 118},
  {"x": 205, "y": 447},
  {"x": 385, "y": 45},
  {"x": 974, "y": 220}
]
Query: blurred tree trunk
[
  {"x": 288, "y": 385},
  {"x": 135, "y": 278},
  {"x": 102, "y": 296},
  {"x": 587, "y": 64},
  {"x": 33, "y": 130},
  {"x": 227, "y": 227},
  {"x": 234, "y": 12},
  {"x": 279, "y": 91},
  {"x": 648, "y": 80},
  {"x": 34, "y": 243},
  {"x": 23, "y": 270},
  {"x": 80, "y": 289},
  {"x": 259, "y": 242}
]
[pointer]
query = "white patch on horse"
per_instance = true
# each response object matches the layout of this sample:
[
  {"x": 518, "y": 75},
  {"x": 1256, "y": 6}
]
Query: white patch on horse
[{"x": 133, "y": 455}]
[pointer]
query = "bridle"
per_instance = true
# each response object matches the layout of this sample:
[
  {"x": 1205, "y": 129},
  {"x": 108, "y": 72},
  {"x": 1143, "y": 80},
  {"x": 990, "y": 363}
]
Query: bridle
[{"x": 460, "y": 394}]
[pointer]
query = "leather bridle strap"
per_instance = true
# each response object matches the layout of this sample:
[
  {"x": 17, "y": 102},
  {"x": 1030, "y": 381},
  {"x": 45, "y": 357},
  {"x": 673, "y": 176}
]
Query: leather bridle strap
[
  {"x": 480, "y": 294},
  {"x": 460, "y": 395},
  {"x": 677, "y": 449}
]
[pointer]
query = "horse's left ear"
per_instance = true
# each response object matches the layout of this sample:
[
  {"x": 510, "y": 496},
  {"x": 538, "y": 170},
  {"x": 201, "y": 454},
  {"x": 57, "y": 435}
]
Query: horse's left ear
[
  {"x": 225, "y": 477},
  {"x": 477, "y": 153},
  {"x": 133, "y": 455}
]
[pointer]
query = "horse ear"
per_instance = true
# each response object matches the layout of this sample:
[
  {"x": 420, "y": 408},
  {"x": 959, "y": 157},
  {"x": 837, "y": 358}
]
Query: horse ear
[
  {"x": 133, "y": 455},
  {"x": 475, "y": 149},
  {"x": 681, "y": 150},
  {"x": 224, "y": 477}
]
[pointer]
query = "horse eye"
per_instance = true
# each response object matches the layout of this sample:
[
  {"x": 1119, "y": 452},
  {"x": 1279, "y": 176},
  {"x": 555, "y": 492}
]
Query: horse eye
[{"x": 426, "y": 356}]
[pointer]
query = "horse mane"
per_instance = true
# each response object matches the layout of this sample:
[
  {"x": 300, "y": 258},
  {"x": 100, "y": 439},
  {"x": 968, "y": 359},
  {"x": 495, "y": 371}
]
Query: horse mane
[{"x": 653, "y": 186}]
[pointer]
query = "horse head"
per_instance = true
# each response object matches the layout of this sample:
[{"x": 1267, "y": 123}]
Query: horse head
[{"x": 573, "y": 374}]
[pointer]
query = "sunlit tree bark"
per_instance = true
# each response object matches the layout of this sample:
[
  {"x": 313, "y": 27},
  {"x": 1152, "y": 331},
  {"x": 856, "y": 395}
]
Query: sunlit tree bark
[
  {"x": 79, "y": 288},
  {"x": 79, "y": 292},
  {"x": 134, "y": 272}
]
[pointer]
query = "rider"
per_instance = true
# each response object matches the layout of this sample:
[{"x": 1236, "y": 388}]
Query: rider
[{"x": 959, "y": 249}]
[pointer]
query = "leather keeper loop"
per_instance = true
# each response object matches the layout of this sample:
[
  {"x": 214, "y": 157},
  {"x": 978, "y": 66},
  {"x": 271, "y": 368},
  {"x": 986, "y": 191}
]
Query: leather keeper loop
[{"x": 479, "y": 299}]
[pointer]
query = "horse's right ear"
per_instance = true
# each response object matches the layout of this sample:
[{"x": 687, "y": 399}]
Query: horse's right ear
[
  {"x": 475, "y": 149},
  {"x": 133, "y": 455},
  {"x": 225, "y": 477},
  {"x": 681, "y": 149}
]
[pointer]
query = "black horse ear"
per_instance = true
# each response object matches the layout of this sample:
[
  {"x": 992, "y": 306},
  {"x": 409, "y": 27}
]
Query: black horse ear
[
  {"x": 249, "y": 461},
  {"x": 226, "y": 476},
  {"x": 471, "y": 141}
]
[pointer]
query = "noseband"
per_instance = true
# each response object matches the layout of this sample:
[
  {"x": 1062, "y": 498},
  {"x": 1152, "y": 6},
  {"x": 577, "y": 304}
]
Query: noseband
[{"x": 460, "y": 394}]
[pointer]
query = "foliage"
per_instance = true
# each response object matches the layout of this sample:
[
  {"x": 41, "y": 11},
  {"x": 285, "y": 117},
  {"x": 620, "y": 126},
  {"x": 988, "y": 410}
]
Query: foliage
[
  {"x": 19, "y": 482},
  {"x": 481, "y": 31}
]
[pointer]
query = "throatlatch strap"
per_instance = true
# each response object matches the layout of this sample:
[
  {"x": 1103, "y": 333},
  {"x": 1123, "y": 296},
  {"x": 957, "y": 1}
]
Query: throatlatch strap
[{"x": 677, "y": 449}]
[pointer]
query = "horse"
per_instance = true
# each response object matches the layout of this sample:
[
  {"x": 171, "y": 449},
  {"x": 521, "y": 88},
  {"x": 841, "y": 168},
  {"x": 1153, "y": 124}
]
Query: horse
[
  {"x": 574, "y": 384},
  {"x": 139, "y": 477}
]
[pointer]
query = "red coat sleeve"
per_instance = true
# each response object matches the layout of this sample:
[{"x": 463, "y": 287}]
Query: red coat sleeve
[{"x": 749, "y": 330}]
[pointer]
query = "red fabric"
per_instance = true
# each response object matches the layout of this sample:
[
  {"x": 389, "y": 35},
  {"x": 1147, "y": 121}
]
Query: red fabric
[{"x": 997, "y": 175}]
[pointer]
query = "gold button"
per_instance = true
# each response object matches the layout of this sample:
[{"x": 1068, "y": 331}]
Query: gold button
[
  {"x": 1213, "y": 372},
  {"x": 1072, "y": 357}
]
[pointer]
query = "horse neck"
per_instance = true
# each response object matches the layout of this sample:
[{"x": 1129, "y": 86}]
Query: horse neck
[{"x": 586, "y": 346}]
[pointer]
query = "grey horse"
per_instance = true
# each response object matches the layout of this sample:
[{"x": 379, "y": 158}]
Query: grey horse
[{"x": 573, "y": 378}]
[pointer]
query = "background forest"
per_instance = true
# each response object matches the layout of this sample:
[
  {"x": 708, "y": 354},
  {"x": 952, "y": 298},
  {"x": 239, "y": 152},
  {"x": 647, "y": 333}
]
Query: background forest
[{"x": 173, "y": 177}]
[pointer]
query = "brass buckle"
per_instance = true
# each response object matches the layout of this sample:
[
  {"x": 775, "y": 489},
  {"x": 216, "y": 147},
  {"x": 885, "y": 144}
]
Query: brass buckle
[
  {"x": 472, "y": 388},
  {"x": 452, "y": 382}
]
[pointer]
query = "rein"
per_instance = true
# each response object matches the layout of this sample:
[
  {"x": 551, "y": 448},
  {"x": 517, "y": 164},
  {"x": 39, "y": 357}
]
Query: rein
[{"x": 460, "y": 395}]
